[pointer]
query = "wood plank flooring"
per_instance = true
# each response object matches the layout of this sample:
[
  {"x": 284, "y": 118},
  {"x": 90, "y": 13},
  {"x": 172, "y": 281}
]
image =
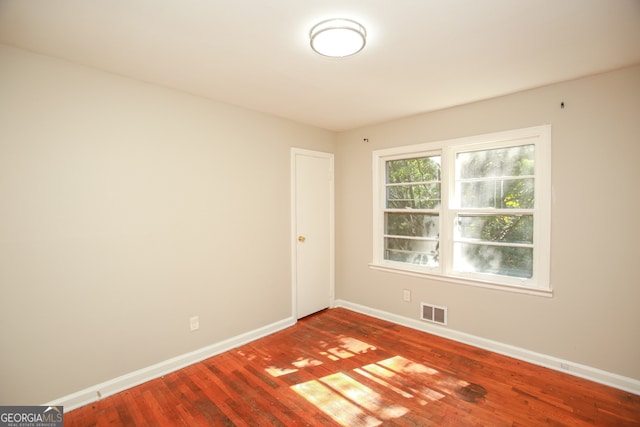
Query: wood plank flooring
[{"x": 338, "y": 367}]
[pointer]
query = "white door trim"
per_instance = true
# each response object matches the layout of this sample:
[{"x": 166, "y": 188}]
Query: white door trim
[{"x": 294, "y": 293}]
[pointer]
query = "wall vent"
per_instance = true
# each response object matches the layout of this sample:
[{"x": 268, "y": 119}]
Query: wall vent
[{"x": 433, "y": 313}]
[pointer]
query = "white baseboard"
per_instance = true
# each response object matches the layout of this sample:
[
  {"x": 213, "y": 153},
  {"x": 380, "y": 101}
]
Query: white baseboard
[
  {"x": 593, "y": 374},
  {"x": 124, "y": 382},
  {"x": 132, "y": 379}
]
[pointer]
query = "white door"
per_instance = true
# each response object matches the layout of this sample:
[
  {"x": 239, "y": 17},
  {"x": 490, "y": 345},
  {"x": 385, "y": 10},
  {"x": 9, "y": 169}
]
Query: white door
[{"x": 312, "y": 230}]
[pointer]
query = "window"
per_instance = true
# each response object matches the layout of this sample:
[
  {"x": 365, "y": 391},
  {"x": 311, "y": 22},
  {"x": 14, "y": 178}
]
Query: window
[{"x": 472, "y": 210}]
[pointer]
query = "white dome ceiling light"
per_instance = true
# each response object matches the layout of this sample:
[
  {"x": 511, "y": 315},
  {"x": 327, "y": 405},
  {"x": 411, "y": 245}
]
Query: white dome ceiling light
[{"x": 338, "y": 37}]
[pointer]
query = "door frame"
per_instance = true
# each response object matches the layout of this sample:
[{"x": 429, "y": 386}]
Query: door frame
[{"x": 295, "y": 152}]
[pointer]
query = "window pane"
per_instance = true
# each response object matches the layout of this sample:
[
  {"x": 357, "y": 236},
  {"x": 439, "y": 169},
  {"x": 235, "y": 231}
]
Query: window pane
[
  {"x": 506, "y": 261},
  {"x": 497, "y": 228},
  {"x": 420, "y": 252},
  {"x": 498, "y": 194},
  {"x": 509, "y": 161},
  {"x": 417, "y": 196},
  {"x": 412, "y": 224},
  {"x": 422, "y": 169}
]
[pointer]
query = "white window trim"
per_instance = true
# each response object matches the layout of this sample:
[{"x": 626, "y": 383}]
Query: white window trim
[{"x": 539, "y": 284}]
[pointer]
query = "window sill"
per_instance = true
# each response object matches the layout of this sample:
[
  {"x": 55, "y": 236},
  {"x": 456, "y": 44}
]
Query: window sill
[{"x": 464, "y": 281}]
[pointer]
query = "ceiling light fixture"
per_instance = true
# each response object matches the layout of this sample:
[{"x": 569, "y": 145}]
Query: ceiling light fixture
[{"x": 338, "y": 37}]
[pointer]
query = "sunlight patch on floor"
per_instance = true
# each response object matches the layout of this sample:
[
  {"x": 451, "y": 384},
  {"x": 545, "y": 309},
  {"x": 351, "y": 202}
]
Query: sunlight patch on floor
[
  {"x": 364, "y": 396},
  {"x": 305, "y": 362},
  {"x": 351, "y": 403},
  {"x": 340, "y": 353},
  {"x": 249, "y": 357},
  {"x": 347, "y": 347},
  {"x": 385, "y": 384},
  {"x": 355, "y": 346},
  {"x": 276, "y": 372},
  {"x": 446, "y": 384},
  {"x": 423, "y": 394},
  {"x": 333, "y": 404},
  {"x": 406, "y": 366}
]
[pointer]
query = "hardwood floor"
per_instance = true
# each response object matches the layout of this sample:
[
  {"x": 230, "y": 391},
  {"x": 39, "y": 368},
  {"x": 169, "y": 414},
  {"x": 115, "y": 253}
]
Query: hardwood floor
[{"x": 338, "y": 367}]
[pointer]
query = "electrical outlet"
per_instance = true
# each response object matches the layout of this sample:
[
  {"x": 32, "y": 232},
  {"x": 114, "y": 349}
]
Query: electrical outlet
[
  {"x": 406, "y": 295},
  {"x": 194, "y": 323}
]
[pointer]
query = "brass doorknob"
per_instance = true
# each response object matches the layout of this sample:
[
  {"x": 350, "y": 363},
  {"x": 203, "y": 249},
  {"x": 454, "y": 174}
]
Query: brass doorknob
[{"x": 301, "y": 239}]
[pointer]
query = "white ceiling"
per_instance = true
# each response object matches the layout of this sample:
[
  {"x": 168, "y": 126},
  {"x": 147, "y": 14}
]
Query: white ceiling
[{"x": 421, "y": 55}]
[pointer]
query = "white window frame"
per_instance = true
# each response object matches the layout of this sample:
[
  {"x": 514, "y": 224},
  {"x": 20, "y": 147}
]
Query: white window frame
[{"x": 540, "y": 136}]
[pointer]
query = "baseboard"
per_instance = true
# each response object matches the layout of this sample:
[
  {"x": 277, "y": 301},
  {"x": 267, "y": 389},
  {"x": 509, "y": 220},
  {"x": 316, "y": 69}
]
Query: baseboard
[
  {"x": 132, "y": 379},
  {"x": 593, "y": 374},
  {"x": 94, "y": 393}
]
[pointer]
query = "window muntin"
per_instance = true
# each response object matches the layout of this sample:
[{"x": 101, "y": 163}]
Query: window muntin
[{"x": 480, "y": 217}]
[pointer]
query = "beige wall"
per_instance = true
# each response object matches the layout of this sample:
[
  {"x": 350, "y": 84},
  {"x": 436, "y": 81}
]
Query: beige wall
[
  {"x": 125, "y": 209},
  {"x": 594, "y": 316}
]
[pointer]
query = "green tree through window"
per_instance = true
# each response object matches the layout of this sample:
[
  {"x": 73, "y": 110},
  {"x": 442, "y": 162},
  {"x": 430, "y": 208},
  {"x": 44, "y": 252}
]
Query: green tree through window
[
  {"x": 473, "y": 210},
  {"x": 411, "y": 216},
  {"x": 502, "y": 181}
]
